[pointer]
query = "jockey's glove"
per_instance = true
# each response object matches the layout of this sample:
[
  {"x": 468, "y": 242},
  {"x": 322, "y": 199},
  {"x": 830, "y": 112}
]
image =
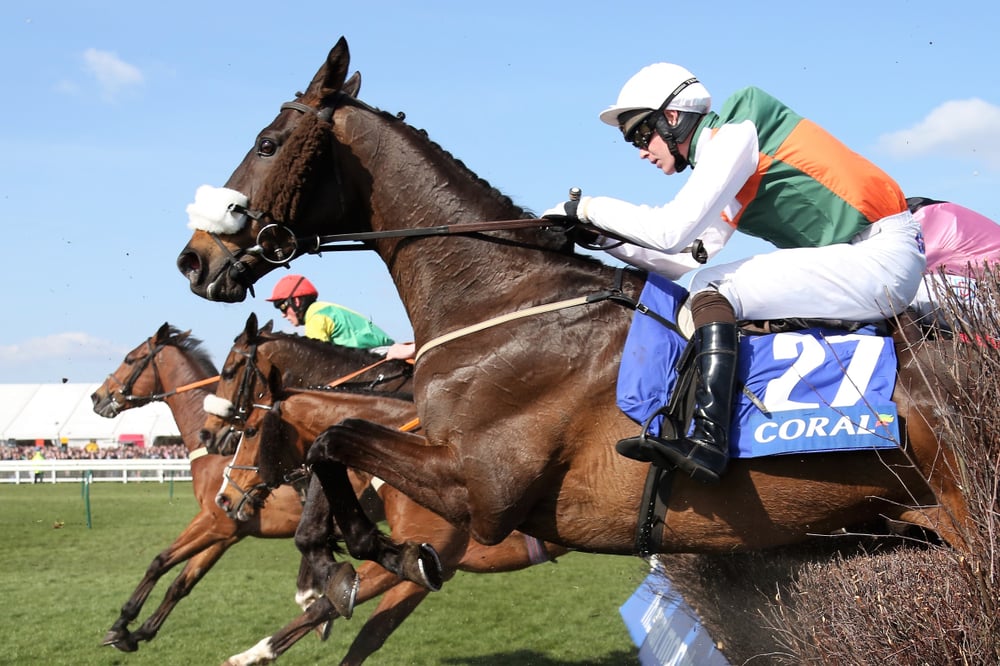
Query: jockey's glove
[
  {"x": 581, "y": 231},
  {"x": 565, "y": 213}
]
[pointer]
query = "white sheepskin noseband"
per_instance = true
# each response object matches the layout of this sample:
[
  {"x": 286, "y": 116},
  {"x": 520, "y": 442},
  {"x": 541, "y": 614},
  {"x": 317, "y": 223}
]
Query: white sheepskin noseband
[
  {"x": 218, "y": 406},
  {"x": 212, "y": 210}
]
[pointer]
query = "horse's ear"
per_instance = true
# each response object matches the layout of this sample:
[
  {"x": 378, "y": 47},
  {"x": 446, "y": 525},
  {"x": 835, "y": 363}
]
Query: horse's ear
[
  {"x": 162, "y": 333},
  {"x": 353, "y": 85},
  {"x": 268, "y": 326},
  {"x": 330, "y": 77},
  {"x": 251, "y": 326}
]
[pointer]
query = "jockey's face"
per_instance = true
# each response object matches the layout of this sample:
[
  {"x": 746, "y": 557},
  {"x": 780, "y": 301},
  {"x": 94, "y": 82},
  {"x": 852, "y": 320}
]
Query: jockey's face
[{"x": 658, "y": 153}]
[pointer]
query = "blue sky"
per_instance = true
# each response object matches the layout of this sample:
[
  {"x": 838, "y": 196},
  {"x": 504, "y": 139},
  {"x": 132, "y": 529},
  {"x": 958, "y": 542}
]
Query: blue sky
[{"x": 115, "y": 112}]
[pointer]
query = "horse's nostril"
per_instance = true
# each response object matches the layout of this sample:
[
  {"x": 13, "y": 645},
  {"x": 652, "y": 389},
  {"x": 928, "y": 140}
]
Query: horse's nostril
[{"x": 189, "y": 264}]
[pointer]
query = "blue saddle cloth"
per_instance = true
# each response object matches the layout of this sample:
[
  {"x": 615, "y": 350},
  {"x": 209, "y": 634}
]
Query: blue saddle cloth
[{"x": 823, "y": 389}]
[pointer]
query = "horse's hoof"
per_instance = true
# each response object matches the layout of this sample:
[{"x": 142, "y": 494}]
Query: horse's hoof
[
  {"x": 420, "y": 564},
  {"x": 323, "y": 630},
  {"x": 113, "y": 636},
  {"x": 342, "y": 589},
  {"x": 121, "y": 640}
]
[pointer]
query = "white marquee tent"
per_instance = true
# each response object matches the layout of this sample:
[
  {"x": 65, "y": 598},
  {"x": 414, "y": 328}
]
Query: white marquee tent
[{"x": 64, "y": 412}]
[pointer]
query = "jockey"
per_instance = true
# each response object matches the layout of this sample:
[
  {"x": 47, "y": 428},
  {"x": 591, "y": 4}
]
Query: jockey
[
  {"x": 848, "y": 246},
  {"x": 959, "y": 243},
  {"x": 296, "y": 298}
]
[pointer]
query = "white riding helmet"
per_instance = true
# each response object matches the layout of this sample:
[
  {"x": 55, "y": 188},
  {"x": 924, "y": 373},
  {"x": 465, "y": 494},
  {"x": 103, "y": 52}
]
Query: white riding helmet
[{"x": 648, "y": 89}]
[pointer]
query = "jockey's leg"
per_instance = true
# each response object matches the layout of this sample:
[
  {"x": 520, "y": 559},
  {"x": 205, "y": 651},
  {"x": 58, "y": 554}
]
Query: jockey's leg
[{"x": 704, "y": 454}]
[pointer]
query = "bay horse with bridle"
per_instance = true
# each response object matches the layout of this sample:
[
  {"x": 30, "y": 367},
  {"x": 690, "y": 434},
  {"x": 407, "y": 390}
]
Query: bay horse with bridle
[
  {"x": 172, "y": 367},
  {"x": 277, "y": 433},
  {"x": 519, "y": 340}
]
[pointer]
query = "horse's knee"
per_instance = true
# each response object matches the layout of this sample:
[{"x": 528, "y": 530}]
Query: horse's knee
[{"x": 321, "y": 449}]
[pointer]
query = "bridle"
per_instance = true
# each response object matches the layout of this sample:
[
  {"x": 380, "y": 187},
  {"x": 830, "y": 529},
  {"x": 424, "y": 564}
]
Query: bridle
[
  {"x": 243, "y": 404},
  {"x": 160, "y": 393},
  {"x": 275, "y": 237}
]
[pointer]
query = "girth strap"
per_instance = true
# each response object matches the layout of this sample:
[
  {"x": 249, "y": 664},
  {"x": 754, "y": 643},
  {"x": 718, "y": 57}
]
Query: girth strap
[{"x": 653, "y": 511}]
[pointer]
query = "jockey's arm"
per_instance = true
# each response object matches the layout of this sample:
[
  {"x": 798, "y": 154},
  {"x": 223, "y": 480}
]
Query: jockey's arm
[
  {"x": 725, "y": 162},
  {"x": 671, "y": 266}
]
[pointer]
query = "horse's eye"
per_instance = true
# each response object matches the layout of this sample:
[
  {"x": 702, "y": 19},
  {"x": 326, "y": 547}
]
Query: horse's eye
[{"x": 267, "y": 147}]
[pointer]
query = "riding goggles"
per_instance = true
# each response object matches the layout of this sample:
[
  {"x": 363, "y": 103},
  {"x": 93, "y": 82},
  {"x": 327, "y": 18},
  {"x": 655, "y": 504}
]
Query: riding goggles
[{"x": 639, "y": 132}]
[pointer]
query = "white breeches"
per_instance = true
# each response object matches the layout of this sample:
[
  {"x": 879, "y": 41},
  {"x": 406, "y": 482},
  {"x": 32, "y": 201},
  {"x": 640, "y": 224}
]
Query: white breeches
[{"x": 871, "y": 278}]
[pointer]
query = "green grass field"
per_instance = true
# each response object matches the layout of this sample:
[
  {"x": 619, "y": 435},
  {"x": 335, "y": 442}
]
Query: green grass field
[{"x": 61, "y": 588}]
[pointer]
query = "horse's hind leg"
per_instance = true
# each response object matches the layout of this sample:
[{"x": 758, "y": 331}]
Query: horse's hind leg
[
  {"x": 396, "y": 605},
  {"x": 193, "y": 571},
  {"x": 201, "y": 533},
  {"x": 951, "y": 519},
  {"x": 374, "y": 581},
  {"x": 416, "y": 562},
  {"x": 272, "y": 647}
]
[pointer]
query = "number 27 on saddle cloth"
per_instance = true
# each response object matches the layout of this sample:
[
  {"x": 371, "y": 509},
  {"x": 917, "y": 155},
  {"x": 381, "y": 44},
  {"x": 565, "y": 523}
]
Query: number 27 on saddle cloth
[{"x": 815, "y": 390}]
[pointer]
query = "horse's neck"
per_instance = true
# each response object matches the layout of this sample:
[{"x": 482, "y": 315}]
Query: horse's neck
[
  {"x": 189, "y": 415},
  {"x": 186, "y": 406},
  {"x": 306, "y": 365},
  {"x": 466, "y": 273}
]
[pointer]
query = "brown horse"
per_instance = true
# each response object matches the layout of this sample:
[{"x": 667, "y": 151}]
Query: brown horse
[
  {"x": 520, "y": 416},
  {"x": 171, "y": 366},
  {"x": 277, "y": 435}
]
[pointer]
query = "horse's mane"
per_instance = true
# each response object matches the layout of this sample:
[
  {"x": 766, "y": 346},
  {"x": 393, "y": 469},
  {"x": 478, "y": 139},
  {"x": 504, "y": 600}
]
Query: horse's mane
[
  {"x": 550, "y": 237},
  {"x": 305, "y": 147},
  {"x": 351, "y": 355},
  {"x": 192, "y": 347}
]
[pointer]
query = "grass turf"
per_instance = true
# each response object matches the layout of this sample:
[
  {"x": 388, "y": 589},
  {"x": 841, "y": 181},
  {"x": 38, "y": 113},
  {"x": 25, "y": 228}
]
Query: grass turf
[{"x": 63, "y": 584}]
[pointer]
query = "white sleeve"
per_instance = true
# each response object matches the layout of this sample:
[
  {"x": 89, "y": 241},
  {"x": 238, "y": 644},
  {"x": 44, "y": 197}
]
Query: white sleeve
[
  {"x": 671, "y": 266},
  {"x": 726, "y": 160}
]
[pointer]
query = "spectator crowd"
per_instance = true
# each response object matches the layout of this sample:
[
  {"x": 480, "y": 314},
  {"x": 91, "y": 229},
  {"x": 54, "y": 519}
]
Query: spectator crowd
[{"x": 26, "y": 452}]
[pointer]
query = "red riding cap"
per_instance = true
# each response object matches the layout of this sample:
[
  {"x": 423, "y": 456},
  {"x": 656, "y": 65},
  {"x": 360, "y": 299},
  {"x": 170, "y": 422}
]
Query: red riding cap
[{"x": 292, "y": 285}]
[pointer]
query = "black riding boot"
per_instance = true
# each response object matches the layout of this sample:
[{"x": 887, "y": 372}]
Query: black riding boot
[{"x": 705, "y": 453}]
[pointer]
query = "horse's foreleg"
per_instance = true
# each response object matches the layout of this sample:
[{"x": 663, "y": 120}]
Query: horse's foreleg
[
  {"x": 307, "y": 588},
  {"x": 416, "y": 562},
  {"x": 402, "y": 460},
  {"x": 317, "y": 539},
  {"x": 201, "y": 533}
]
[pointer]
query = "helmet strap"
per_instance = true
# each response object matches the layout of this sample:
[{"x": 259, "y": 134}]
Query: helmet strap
[
  {"x": 300, "y": 304},
  {"x": 674, "y": 134}
]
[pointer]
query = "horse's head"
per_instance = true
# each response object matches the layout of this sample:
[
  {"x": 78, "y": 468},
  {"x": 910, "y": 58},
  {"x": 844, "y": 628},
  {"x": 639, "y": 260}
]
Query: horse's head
[
  {"x": 246, "y": 381},
  {"x": 251, "y": 226},
  {"x": 249, "y": 478},
  {"x": 137, "y": 381}
]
